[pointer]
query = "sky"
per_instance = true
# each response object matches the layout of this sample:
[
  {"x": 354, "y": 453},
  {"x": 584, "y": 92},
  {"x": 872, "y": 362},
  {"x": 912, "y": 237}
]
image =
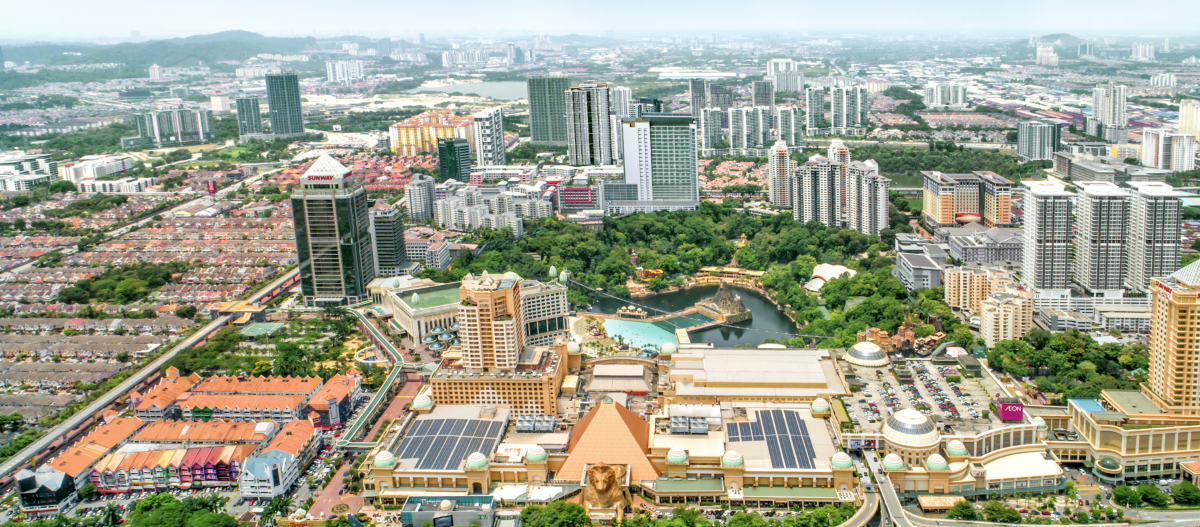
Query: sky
[{"x": 84, "y": 20}]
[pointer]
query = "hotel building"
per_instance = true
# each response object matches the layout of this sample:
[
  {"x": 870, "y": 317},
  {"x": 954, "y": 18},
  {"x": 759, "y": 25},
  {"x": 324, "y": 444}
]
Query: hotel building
[{"x": 950, "y": 199}]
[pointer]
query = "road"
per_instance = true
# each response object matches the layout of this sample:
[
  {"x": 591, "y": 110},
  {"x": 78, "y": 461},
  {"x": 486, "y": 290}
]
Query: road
[{"x": 891, "y": 500}]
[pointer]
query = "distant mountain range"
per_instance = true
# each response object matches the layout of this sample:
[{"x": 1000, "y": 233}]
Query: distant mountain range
[{"x": 176, "y": 52}]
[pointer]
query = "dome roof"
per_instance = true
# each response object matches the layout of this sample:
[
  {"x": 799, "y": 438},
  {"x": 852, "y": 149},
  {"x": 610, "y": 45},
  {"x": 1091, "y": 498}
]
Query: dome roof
[
  {"x": 446, "y": 505},
  {"x": 867, "y": 354},
  {"x": 422, "y": 401},
  {"x": 731, "y": 459},
  {"x": 909, "y": 427},
  {"x": 677, "y": 455},
  {"x": 535, "y": 454},
  {"x": 572, "y": 347},
  {"x": 1041, "y": 423},
  {"x": 1109, "y": 464},
  {"x": 512, "y": 275},
  {"x": 553, "y": 273},
  {"x": 416, "y": 299},
  {"x": 385, "y": 459},
  {"x": 820, "y": 405},
  {"x": 396, "y": 283},
  {"x": 956, "y": 448},
  {"x": 841, "y": 460},
  {"x": 936, "y": 462},
  {"x": 893, "y": 462},
  {"x": 668, "y": 348},
  {"x": 564, "y": 275},
  {"x": 477, "y": 460},
  {"x": 484, "y": 273}
]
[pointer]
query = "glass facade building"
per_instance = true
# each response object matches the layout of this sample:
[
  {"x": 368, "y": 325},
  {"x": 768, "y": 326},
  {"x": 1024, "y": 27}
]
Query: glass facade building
[
  {"x": 283, "y": 103},
  {"x": 548, "y": 108},
  {"x": 333, "y": 236}
]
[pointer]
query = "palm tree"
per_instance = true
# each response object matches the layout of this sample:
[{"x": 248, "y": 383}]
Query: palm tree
[
  {"x": 334, "y": 311},
  {"x": 111, "y": 515}
]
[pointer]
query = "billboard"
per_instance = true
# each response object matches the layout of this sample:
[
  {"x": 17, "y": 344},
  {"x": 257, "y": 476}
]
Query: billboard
[
  {"x": 1010, "y": 411},
  {"x": 862, "y": 443},
  {"x": 212, "y": 186}
]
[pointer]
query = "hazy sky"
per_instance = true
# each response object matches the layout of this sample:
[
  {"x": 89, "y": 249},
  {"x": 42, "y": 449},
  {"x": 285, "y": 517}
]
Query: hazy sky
[{"x": 81, "y": 20}]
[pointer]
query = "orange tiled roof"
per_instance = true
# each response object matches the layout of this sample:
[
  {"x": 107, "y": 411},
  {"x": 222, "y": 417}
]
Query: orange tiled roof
[
  {"x": 262, "y": 385},
  {"x": 205, "y": 400},
  {"x": 292, "y": 437},
  {"x": 210, "y": 431},
  {"x": 611, "y": 434},
  {"x": 166, "y": 391},
  {"x": 336, "y": 389}
]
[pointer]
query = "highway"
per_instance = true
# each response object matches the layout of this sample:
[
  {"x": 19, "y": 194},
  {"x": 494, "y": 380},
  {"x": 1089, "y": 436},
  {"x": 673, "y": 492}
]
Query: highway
[
  {"x": 865, "y": 513},
  {"x": 43, "y": 443},
  {"x": 893, "y": 509}
]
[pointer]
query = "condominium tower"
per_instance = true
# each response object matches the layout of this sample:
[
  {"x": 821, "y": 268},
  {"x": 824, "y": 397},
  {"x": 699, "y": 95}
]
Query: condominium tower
[
  {"x": 780, "y": 169},
  {"x": 698, "y": 95},
  {"x": 1101, "y": 216},
  {"x": 420, "y": 193},
  {"x": 1155, "y": 230},
  {"x": 817, "y": 193},
  {"x": 489, "y": 137},
  {"x": 548, "y": 108},
  {"x": 1167, "y": 150},
  {"x": 749, "y": 127},
  {"x": 589, "y": 137},
  {"x": 815, "y": 108},
  {"x": 333, "y": 237},
  {"x": 249, "y": 116},
  {"x": 787, "y": 126},
  {"x": 1046, "y": 249},
  {"x": 866, "y": 197},
  {"x": 849, "y": 107},
  {"x": 1037, "y": 140},
  {"x": 283, "y": 104}
]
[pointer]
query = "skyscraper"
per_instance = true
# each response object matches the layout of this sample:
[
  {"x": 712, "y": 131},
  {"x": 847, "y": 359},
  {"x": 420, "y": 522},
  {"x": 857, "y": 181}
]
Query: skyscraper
[
  {"x": 1173, "y": 337},
  {"x": 249, "y": 116},
  {"x": 283, "y": 104},
  {"x": 1189, "y": 117},
  {"x": 171, "y": 128},
  {"x": 454, "y": 158},
  {"x": 866, "y": 197},
  {"x": 698, "y": 94},
  {"x": 589, "y": 139},
  {"x": 1037, "y": 140},
  {"x": 156, "y": 72},
  {"x": 1046, "y": 249},
  {"x": 1167, "y": 150},
  {"x": 780, "y": 170},
  {"x": 1153, "y": 247},
  {"x": 421, "y": 193},
  {"x": 387, "y": 239},
  {"x": 816, "y": 193},
  {"x": 787, "y": 126},
  {"x": 777, "y": 66},
  {"x": 622, "y": 101},
  {"x": 344, "y": 71},
  {"x": 839, "y": 154},
  {"x": 764, "y": 94},
  {"x": 661, "y": 160},
  {"x": 814, "y": 115},
  {"x": 710, "y": 128},
  {"x": 1109, "y": 114},
  {"x": 749, "y": 127},
  {"x": 1101, "y": 216},
  {"x": 788, "y": 81},
  {"x": 492, "y": 323},
  {"x": 548, "y": 108},
  {"x": 333, "y": 237},
  {"x": 489, "y": 137},
  {"x": 945, "y": 95},
  {"x": 720, "y": 96},
  {"x": 849, "y": 107}
]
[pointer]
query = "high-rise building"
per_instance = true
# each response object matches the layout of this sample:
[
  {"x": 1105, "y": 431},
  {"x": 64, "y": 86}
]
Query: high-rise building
[
  {"x": 949, "y": 199},
  {"x": 1046, "y": 249},
  {"x": 219, "y": 103},
  {"x": 1162, "y": 148},
  {"x": 698, "y": 95},
  {"x": 589, "y": 139},
  {"x": 646, "y": 105},
  {"x": 544, "y": 311},
  {"x": 1110, "y": 118},
  {"x": 1101, "y": 216},
  {"x": 492, "y": 323},
  {"x": 1037, "y": 140},
  {"x": 249, "y": 116},
  {"x": 749, "y": 127},
  {"x": 720, "y": 96},
  {"x": 965, "y": 287},
  {"x": 420, "y": 193},
  {"x": 780, "y": 170},
  {"x": 788, "y": 81},
  {"x": 710, "y": 128},
  {"x": 489, "y": 137},
  {"x": 387, "y": 239},
  {"x": 777, "y": 66},
  {"x": 171, "y": 128},
  {"x": 763, "y": 93},
  {"x": 1165, "y": 80},
  {"x": 622, "y": 101},
  {"x": 618, "y": 141},
  {"x": 333, "y": 235},
  {"x": 945, "y": 95},
  {"x": 344, "y": 71},
  {"x": 1046, "y": 56},
  {"x": 2, "y": 65},
  {"x": 454, "y": 158},
  {"x": 548, "y": 108},
  {"x": 817, "y": 193},
  {"x": 839, "y": 154},
  {"x": 283, "y": 104},
  {"x": 1173, "y": 336},
  {"x": 1087, "y": 50},
  {"x": 662, "y": 161},
  {"x": 867, "y": 197},
  {"x": 787, "y": 126},
  {"x": 849, "y": 107},
  {"x": 1006, "y": 314},
  {"x": 156, "y": 72},
  {"x": 814, "y": 114},
  {"x": 1155, "y": 230},
  {"x": 1142, "y": 51},
  {"x": 419, "y": 134},
  {"x": 1189, "y": 117},
  {"x": 383, "y": 47}
]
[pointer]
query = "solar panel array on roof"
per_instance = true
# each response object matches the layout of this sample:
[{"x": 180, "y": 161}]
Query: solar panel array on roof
[
  {"x": 441, "y": 444},
  {"x": 785, "y": 433}
]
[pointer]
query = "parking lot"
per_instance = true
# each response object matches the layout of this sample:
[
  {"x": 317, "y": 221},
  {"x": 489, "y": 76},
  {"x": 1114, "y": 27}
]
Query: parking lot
[{"x": 962, "y": 404}]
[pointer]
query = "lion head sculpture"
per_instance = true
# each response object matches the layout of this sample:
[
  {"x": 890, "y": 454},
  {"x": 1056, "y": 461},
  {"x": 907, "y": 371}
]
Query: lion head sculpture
[{"x": 605, "y": 488}]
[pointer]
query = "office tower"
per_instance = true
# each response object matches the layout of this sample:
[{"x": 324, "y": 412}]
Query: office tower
[
  {"x": 249, "y": 116},
  {"x": 387, "y": 238},
  {"x": 589, "y": 139},
  {"x": 171, "y": 128},
  {"x": 1173, "y": 337},
  {"x": 344, "y": 71},
  {"x": 1189, "y": 117},
  {"x": 698, "y": 94},
  {"x": 945, "y": 95},
  {"x": 661, "y": 160},
  {"x": 1087, "y": 50},
  {"x": 420, "y": 39},
  {"x": 1101, "y": 215},
  {"x": 1142, "y": 51},
  {"x": 787, "y": 126},
  {"x": 1167, "y": 150},
  {"x": 283, "y": 104},
  {"x": 333, "y": 235},
  {"x": 814, "y": 115},
  {"x": 816, "y": 194},
  {"x": 1155, "y": 230},
  {"x": 1046, "y": 56},
  {"x": 710, "y": 128},
  {"x": 419, "y": 134},
  {"x": 454, "y": 158},
  {"x": 1109, "y": 118},
  {"x": 420, "y": 193},
  {"x": 764, "y": 94},
  {"x": 1037, "y": 140},
  {"x": 622, "y": 101},
  {"x": 1046, "y": 249},
  {"x": 839, "y": 154},
  {"x": 489, "y": 137},
  {"x": 749, "y": 127},
  {"x": 849, "y": 107},
  {"x": 1164, "y": 80},
  {"x": 492, "y": 323},
  {"x": 780, "y": 170},
  {"x": 156, "y": 72},
  {"x": 548, "y": 108},
  {"x": 866, "y": 197},
  {"x": 720, "y": 96}
]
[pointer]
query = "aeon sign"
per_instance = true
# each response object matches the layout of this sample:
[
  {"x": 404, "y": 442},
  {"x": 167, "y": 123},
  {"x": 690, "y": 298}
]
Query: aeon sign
[{"x": 1010, "y": 411}]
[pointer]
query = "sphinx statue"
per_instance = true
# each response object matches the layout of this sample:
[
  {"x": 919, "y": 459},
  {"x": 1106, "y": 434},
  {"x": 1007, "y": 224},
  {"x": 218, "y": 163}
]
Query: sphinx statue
[{"x": 605, "y": 489}]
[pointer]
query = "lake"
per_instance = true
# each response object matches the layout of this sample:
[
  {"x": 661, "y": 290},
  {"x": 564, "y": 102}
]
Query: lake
[
  {"x": 768, "y": 322},
  {"x": 501, "y": 91}
]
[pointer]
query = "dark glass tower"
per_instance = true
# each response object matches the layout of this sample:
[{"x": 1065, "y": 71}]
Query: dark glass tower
[
  {"x": 333, "y": 235},
  {"x": 283, "y": 104},
  {"x": 454, "y": 158},
  {"x": 249, "y": 116}
]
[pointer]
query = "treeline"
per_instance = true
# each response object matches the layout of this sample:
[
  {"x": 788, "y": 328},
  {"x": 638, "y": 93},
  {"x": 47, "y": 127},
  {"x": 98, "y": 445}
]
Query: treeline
[
  {"x": 39, "y": 194},
  {"x": 76, "y": 144},
  {"x": 85, "y": 207},
  {"x": 567, "y": 514},
  {"x": 946, "y": 157},
  {"x": 357, "y": 122}
]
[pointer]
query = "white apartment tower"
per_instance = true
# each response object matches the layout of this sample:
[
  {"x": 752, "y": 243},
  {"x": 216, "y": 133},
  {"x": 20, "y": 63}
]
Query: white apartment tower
[
  {"x": 816, "y": 192},
  {"x": 1155, "y": 224},
  {"x": 1110, "y": 118},
  {"x": 420, "y": 193},
  {"x": 489, "y": 137},
  {"x": 787, "y": 126},
  {"x": 780, "y": 170},
  {"x": 815, "y": 107},
  {"x": 622, "y": 101},
  {"x": 945, "y": 95},
  {"x": 839, "y": 154},
  {"x": 749, "y": 127},
  {"x": 710, "y": 127},
  {"x": 1168, "y": 150},
  {"x": 589, "y": 139},
  {"x": 867, "y": 197},
  {"x": 1037, "y": 140},
  {"x": 1046, "y": 248},
  {"x": 1101, "y": 216},
  {"x": 849, "y": 107}
]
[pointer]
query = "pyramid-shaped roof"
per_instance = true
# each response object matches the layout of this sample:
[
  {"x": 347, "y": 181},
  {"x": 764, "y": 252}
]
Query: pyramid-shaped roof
[
  {"x": 1189, "y": 275},
  {"x": 327, "y": 166},
  {"x": 610, "y": 434}
]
